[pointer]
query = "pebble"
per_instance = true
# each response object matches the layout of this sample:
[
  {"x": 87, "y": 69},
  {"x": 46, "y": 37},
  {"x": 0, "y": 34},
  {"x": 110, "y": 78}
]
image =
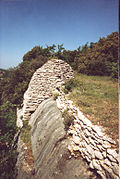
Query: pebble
[{"x": 98, "y": 154}]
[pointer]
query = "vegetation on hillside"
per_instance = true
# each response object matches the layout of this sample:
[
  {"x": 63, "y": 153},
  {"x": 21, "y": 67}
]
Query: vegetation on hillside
[
  {"x": 99, "y": 58},
  {"x": 97, "y": 98}
]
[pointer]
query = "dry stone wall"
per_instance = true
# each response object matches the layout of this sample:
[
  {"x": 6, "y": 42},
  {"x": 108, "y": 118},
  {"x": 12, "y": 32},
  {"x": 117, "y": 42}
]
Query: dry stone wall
[
  {"x": 87, "y": 140},
  {"x": 90, "y": 142},
  {"x": 45, "y": 80}
]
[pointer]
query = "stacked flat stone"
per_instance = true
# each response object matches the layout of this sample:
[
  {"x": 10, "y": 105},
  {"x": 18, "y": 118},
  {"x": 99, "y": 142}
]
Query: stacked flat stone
[
  {"x": 45, "y": 80},
  {"x": 91, "y": 142}
]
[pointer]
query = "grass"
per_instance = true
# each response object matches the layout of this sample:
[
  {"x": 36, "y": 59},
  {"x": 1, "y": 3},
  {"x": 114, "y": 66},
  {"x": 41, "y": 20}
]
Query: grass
[
  {"x": 97, "y": 98},
  {"x": 55, "y": 94},
  {"x": 25, "y": 136},
  {"x": 25, "y": 133}
]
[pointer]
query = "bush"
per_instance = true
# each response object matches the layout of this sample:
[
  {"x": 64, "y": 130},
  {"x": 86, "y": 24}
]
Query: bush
[
  {"x": 55, "y": 94},
  {"x": 70, "y": 84},
  {"x": 68, "y": 119},
  {"x": 25, "y": 132},
  {"x": 8, "y": 129}
]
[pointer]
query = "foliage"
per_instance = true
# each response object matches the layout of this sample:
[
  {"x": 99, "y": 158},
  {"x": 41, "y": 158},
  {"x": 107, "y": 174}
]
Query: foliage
[
  {"x": 16, "y": 84},
  {"x": 7, "y": 122},
  {"x": 70, "y": 84},
  {"x": 55, "y": 94},
  {"x": 68, "y": 119},
  {"x": 8, "y": 129},
  {"x": 7, "y": 163},
  {"x": 39, "y": 51},
  {"x": 99, "y": 58},
  {"x": 25, "y": 133}
]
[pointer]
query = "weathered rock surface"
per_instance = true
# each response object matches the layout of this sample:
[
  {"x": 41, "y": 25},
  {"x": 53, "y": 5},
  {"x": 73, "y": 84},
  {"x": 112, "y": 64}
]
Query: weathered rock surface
[{"x": 49, "y": 146}]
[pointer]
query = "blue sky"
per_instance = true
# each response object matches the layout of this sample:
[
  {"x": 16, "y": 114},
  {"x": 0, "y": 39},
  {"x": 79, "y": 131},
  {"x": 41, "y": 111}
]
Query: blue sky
[{"x": 28, "y": 23}]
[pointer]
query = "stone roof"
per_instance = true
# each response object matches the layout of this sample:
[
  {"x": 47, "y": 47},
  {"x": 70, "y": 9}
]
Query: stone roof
[{"x": 45, "y": 80}]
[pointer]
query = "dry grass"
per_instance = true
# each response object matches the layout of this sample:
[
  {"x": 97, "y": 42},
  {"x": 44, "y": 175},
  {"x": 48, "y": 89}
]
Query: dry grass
[
  {"x": 25, "y": 136},
  {"x": 97, "y": 98}
]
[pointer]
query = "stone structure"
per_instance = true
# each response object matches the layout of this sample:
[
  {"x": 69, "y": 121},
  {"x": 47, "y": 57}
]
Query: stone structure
[
  {"x": 45, "y": 80},
  {"x": 91, "y": 142},
  {"x": 49, "y": 144}
]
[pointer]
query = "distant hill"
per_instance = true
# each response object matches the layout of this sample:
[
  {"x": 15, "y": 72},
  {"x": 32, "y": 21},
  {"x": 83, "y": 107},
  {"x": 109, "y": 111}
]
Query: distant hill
[{"x": 3, "y": 73}]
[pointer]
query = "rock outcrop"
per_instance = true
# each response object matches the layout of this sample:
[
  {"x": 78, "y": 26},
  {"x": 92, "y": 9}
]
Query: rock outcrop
[{"x": 49, "y": 146}]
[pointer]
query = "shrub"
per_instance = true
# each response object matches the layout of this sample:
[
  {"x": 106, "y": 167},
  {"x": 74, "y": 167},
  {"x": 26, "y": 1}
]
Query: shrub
[
  {"x": 25, "y": 133},
  {"x": 55, "y": 94},
  {"x": 69, "y": 85},
  {"x": 68, "y": 119}
]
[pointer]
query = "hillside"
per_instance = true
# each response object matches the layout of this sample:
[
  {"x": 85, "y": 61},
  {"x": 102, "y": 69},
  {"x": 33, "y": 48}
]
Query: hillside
[
  {"x": 44, "y": 133},
  {"x": 99, "y": 58}
]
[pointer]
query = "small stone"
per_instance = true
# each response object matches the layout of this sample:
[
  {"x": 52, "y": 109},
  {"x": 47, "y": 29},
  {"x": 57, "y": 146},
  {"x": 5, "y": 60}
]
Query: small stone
[
  {"x": 25, "y": 147},
  {"x": 84, "y": 144},
  {"x": 89, "y": 129},
  {"x": 113, "y": 153},
  {"x": 90, "y": 151},
  {"x": 96, "y": 141},
  {"x": 91, "y": 165},
  {"x": 107, "y": 162},
  {"x": 78, "y": 131},
  {"x": 96, "y": 165},
  {"x": 97, "y": 129},
  {"x": 116, "y": 169},
  {"x": 87, "y": 158},
  {"x": 71, "y": 132},
  {"x": 109, "y": 140},
  {"x": 69, "y": 102},
  {"x": 83, "y": 126},
  {"x": 94, "y": 148},
  {"x": 110, "y": 171},
  {"x": 106, "y": 146},
  {"x": 76, "y": 148},
  {"x": 70, "y": 148},
  {"x": 77, "y": 126},
  {"x": 87, "y": 140},
  {"x": 83, "y": 135},
  {"x": 87, "y": 122},
  {"x": 83, "y": 118},
  {"x": 101, "y": 174},
  {"x": 100, "y": 141},
  {"x": 87, "y": 133},
  {"x": 86, "y": 153},
  {"x": 92, "y": 141},
  {"x": 100, "y": 147},
  {"x": 107, "y": 168},
  {"x": 111, "y": 158},
  {"x": 71, "y": 106},
  {"x": 104, "y": 154},
  {"x": 98, "y": 155},
  {"x": 80, "y": 114},
  {"x": 76, "y": 139}
]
